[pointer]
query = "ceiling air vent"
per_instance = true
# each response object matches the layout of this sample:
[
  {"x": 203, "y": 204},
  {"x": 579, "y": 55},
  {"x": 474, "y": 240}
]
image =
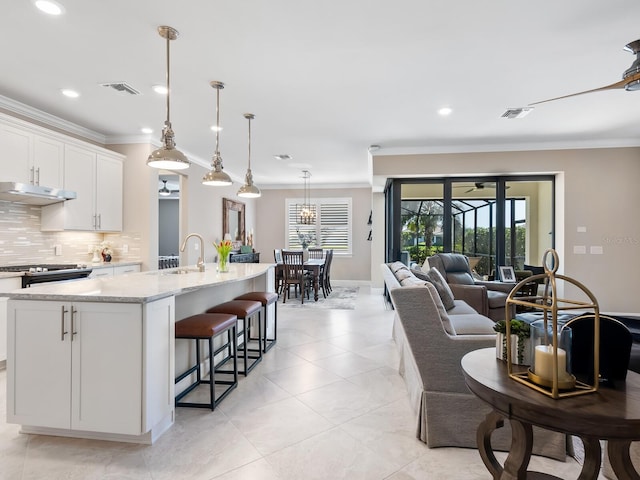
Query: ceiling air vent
[
  {"x": 517, "y": 112},
  {"x": 121, "y": 87}
]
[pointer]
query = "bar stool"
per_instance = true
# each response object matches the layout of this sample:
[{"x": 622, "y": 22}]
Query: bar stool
[
  {"x": 266, "y": 299},
  {"x": 245, "y": 310},
  {"x": 206, "y": 326}
]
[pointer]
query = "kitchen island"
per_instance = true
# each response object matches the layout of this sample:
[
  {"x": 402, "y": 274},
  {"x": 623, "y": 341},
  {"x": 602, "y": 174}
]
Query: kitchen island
[{"x": 96, "y": 358}]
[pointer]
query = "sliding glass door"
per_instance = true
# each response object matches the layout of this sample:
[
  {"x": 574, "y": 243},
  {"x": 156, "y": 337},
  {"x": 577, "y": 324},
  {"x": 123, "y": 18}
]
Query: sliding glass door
[{"x": 493, "y": 220}]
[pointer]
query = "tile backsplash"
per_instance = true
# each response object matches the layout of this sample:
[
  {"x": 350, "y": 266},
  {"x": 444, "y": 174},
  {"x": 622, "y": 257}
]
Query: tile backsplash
[{"x": 22, "y": 242}]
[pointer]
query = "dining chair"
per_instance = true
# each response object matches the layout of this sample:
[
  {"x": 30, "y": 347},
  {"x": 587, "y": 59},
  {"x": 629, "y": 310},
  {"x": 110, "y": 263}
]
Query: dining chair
[
  {"x": 316, "y": 253},
  {"x": 277, "y": 256},
  {"x": 326, "y": 273},
  {"x": 294, "y": 274}
]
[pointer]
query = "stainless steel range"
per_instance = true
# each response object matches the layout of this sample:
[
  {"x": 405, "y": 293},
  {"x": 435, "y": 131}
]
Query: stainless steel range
[{"x": 45, "y": 273}]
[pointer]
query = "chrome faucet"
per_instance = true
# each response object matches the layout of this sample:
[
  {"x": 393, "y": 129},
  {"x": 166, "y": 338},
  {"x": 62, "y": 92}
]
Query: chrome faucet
[{"x": 200, "y": 263}]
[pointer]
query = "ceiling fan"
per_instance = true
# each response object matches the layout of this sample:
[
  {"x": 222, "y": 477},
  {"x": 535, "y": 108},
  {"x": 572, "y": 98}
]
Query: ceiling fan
[
  {"x": 630, "y": 79},
  {"x": 165, "y": 191},
  {"x": 478, "y": 186}
]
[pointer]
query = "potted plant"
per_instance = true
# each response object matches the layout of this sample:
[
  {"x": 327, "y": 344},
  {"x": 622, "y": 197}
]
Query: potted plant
[{"x": 520, "y": 342}]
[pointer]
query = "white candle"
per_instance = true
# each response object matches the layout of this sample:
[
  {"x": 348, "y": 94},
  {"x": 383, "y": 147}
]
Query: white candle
[{"x": 544, "y": 363}]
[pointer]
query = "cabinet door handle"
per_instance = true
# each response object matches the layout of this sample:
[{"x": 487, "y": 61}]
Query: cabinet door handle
[
  {"x": 95, "y": 220},
  {"x": 32, "y": 175},
  {"x": 37, "y": 179},
  {"x": 99, "y": 220},
  {"x": 62, "y": 330},
  {"x": 73, "y": 322}
]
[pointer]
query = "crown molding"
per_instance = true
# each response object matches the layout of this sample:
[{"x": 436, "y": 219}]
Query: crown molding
[
  {"x": 46, "y": 119},
  {"x": 514, "y": 147}
]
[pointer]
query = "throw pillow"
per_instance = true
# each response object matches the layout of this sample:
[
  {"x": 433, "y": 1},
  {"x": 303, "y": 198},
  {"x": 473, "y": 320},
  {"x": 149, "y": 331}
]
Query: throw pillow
[
  {"x": 444, "y": 318},
  {"x": 438, "y": 281},
  {"x": 395, "y": 266},
  {"x": 402, "y": 273},
  {"x": 418, "y": 272}
]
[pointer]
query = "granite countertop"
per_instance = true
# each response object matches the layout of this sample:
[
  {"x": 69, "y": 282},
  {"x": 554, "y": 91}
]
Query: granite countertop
[{"x": 140, "y": 287}]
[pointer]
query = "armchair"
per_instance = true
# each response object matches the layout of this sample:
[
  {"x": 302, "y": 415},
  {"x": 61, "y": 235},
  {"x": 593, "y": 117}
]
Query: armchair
[{"x": 455, "y": 269}]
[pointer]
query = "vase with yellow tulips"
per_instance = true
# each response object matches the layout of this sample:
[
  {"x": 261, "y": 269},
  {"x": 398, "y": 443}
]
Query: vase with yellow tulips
[{"x": 223, "y": 248}]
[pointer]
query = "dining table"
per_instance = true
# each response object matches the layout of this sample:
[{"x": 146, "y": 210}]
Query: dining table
[{"x": 314, "y": 267}]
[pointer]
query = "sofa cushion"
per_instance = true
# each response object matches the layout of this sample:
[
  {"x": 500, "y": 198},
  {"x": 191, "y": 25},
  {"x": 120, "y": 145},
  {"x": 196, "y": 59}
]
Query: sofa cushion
[
  {"x": 496, "y": 299},
  {"x": 472, "y": 324},
  {"x": 461, "y": 307},
  {"x": 445, "y": 293}
]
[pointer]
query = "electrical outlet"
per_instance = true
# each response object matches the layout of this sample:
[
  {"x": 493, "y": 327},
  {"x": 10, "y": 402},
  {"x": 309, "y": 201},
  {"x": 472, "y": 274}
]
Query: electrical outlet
[
  {"x": 125, "y": 248},
  {"x": 58, "y": 250}
]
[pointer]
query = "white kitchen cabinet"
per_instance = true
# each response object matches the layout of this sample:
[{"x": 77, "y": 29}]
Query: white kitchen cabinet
[
  {"x": 124, "y": 269},
  {"x": 6, "y": 285},
  {"x": 101, "y": 271},
  {"x": 97, "y": 179},
  {"x": 105, "y": 270},
  {"x": 31, "y": 158},
  {"x": 67, "y": 373},
  {"x": 79, "y": 365}
]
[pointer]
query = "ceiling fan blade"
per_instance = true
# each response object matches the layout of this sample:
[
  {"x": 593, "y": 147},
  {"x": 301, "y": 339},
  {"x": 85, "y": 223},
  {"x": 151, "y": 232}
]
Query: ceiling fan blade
[{"x": 613, "y": 86}]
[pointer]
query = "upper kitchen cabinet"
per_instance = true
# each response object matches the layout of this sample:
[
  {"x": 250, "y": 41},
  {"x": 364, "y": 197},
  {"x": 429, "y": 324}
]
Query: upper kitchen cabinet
[
  {"x": 96, "y": 177},
  {"x": 30, "y": 158}
]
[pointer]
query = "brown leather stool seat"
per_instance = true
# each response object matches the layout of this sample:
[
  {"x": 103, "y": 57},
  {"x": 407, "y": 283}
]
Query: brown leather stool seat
[
  {"x": 206, "y": 326},
  {"x": 245, "y": 310},
  {"x": 266, "y": 299}
]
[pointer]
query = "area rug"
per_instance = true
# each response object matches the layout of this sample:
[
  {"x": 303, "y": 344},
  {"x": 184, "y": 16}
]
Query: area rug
[{"x": 340, "y": 298}]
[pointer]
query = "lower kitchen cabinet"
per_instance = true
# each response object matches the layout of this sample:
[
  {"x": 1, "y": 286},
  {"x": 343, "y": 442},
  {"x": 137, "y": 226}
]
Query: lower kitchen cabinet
[{"x": 79, "y": 365}]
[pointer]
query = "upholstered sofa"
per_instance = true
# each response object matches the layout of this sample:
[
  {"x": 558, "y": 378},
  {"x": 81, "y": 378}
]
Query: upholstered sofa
[{"x": 431, "y": 341}]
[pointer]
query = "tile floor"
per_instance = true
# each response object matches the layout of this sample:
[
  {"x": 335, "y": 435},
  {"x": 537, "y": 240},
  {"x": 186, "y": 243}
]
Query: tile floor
[{"x": 325, "y": 403}]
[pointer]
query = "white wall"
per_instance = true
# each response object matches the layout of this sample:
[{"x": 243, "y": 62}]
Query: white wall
[
  {"x": 270, "y": 228},
  {"x": 200, "y": 206},
  {"x": 595, "y": 188}
]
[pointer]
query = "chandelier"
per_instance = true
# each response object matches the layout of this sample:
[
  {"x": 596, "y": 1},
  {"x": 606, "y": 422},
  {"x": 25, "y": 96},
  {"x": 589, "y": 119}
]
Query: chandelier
[{"x": 306, "y": 212}]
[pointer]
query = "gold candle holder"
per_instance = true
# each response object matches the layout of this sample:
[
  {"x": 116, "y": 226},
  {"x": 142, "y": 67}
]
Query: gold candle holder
[{"x": 550, "y": 376}]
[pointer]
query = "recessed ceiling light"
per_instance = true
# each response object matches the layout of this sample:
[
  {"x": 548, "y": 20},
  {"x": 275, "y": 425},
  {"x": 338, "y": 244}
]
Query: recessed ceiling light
[
  {"x": 160, "y": 89},
  {"x": 444, "y": 111},
  {"x": 216, "y": 128},
  {"x": 70, "y": 93},
  {"x": 283, "y": 156},
  {"x": 49, "y": 6},
  {"x": 146, "y": 130}
]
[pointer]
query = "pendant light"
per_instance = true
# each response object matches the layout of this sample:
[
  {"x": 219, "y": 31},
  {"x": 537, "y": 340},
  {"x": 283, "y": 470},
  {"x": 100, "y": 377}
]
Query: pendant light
[
  {"x": 168, "y": 156},
  {"x": 216, "y": 176},
  {"x": 164, "y": 191},
  {"x": 249, "y": 190}
]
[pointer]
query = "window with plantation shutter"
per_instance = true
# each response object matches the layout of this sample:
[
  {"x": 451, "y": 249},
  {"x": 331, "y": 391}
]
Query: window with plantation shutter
[{"x": 331, "y": 229}]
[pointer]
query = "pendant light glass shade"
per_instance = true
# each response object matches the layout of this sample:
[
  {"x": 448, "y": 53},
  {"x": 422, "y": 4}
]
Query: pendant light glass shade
[
  {"x": 168, "y": 156},
  {"x": 249, "y": 190},
  {"x": 216, "y": 177}
]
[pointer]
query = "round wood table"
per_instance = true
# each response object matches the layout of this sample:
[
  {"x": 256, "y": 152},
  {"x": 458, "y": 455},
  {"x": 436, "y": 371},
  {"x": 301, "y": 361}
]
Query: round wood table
[{"x": 608, "y": 414}]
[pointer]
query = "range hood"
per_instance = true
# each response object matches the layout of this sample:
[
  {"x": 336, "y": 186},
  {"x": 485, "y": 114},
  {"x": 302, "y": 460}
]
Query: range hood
[{"x": 33, "y": 194}]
